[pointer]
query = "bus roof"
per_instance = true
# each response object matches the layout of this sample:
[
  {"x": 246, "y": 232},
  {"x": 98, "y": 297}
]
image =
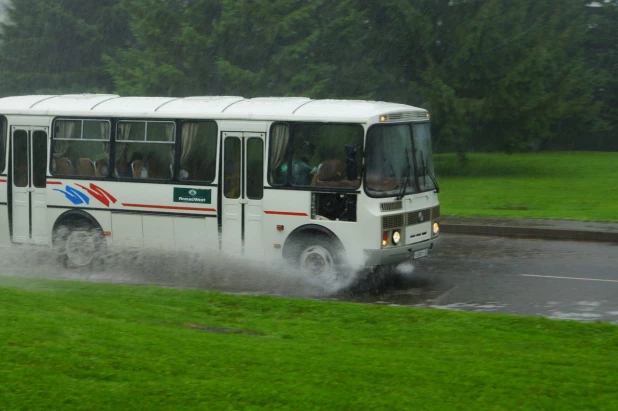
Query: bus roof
[{"x": 211, "y": 107}]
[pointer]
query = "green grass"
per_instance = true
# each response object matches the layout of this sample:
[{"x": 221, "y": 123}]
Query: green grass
[
  {"x": 66, "y": 345},
  {"x": 561, "y": 185}
]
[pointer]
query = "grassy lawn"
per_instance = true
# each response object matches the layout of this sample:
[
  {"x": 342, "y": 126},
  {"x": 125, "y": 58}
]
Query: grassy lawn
[
  {"x": 98, "y": 346},
  {"x": 562, "y": 185}
]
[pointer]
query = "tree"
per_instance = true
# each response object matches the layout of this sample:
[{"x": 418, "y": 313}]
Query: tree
[
  {"x": 283, "y": 47},
  {"x": 508, "y": 74},
  {"x": 57, "y": 46},
  {"x": 602, "y": 55}
]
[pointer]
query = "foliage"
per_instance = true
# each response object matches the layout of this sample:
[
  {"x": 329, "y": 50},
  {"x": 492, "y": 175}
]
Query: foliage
[
  {"x": 601, "y": 51},
  {"x": 56, "y": 47},
  {"x": 496, "y": 75},
  {"x": 505, "y": 75},
  {"x": 95, "y": 346},
  {"x": 290, "y": 47}
]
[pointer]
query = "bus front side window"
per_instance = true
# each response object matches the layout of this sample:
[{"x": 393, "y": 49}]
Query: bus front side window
[{"x": 325, "y": 155}]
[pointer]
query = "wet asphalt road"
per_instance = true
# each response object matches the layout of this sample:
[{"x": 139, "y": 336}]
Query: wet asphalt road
[{"x": 555, "y": 279}]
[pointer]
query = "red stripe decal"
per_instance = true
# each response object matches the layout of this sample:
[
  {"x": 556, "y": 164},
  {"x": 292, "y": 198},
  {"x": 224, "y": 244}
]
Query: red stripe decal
[
  {"x": 54, "y": 182},
  {"x": 286, "y": 213},
  {"x": 97, "y": 192},
  {"x": 212, "y": 210},
  {"x": 2, "y": 180}
]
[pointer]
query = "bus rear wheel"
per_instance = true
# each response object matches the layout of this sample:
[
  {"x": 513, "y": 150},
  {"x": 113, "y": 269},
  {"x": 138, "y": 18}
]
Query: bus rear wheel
[{"x": 78, "y": 245}]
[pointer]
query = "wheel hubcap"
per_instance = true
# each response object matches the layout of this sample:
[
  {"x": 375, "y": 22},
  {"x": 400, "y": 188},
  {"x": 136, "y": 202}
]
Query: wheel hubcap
[
  {"x": 80, "y": 248},
  {"x": 319, "y": 262}
]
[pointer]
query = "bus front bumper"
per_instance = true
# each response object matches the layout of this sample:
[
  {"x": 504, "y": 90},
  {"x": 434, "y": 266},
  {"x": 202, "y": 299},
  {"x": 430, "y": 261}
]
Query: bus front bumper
[{"x": 396, "y": 255}]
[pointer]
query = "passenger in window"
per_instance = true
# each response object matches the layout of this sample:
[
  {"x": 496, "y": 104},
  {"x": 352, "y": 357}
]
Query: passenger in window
[
  {"x": 153, "y": 166},
  {"x": 123, "y": 166},
  {"x": 302, "y": 172}
]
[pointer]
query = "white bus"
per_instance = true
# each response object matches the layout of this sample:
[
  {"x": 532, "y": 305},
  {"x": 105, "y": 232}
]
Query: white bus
[{"x": 318, "y": 183}]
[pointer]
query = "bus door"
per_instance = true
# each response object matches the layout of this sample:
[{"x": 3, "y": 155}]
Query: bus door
[
  {"x": 28, "y": 182},
  {"x": 243, "y": 188}
]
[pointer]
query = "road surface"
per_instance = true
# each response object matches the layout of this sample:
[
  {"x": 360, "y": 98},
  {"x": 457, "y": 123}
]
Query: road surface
[{"x": 555, "y": 279}]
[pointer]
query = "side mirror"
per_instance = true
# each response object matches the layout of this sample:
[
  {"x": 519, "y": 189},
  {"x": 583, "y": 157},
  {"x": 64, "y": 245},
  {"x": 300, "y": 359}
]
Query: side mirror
[{"x": 351, "y": 165}]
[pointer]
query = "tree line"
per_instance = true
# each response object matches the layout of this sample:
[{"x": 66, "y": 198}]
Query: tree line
[{"x": 496, "y": 75}]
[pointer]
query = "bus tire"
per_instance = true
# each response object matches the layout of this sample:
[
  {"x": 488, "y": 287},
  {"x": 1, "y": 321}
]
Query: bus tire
[
  {"x": 78, "y": 244},
  {"x": 319, "y": 256}
]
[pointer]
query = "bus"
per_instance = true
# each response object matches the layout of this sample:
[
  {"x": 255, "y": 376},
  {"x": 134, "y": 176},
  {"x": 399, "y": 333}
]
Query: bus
[{"x": 320, "y": 184}]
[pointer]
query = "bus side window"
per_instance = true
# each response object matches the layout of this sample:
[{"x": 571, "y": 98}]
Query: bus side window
[
  {"x": 145, "y": 149},
  {"x": 76, "y": 143},
  {"x": 278, "y": 143},
  {"x": 198, "y": 151}
]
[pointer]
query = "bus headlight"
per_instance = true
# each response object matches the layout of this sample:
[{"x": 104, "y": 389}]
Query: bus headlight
[
  {"x": 396, "y": 237},
  {"x": 436, "y": 228}
]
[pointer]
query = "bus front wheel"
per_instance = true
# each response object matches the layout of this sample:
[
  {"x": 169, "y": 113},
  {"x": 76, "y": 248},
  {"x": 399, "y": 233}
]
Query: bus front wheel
[{"x": 320, "y": 258}]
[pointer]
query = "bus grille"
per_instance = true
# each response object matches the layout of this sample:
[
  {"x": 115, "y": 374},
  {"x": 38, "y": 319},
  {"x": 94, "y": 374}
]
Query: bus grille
[
  {"x": 392, "y": 221},
  {"x": 410, "y": 115},
  {"x": 435, "y": 212},
  {"x": 395, "y": 205},
  {"x": 412, "y": 218},
  {"x": 416, "y": 217}
]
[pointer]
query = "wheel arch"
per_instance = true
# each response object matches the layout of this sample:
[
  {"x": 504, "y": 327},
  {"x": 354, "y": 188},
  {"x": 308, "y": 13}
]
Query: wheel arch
[
  {"x": 73, "y": 217},
  {"x": 299, "y": 234}
]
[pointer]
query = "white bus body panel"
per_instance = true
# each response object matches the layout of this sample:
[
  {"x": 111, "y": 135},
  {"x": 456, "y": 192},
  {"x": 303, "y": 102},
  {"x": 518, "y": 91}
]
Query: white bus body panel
[{"x": 138, "y": 220}]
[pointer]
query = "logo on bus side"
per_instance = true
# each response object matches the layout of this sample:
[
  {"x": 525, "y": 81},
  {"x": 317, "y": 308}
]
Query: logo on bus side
[
  {"x": 191, "y": 195},
  {"x": 77, "y": 197}
]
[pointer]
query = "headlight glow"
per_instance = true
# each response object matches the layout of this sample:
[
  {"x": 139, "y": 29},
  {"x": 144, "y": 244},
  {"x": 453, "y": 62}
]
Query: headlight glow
[
  {"x": 435, "y": 228},
  {"x": 385, "y": 239},
  {"x": 396, "y": 237}
]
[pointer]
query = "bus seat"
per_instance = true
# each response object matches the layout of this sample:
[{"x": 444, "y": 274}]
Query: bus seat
[
  {"x": 85, "y": 167},
  {"x": 64, "y": 166},
  {"x": 100, "y": 167},
  {"x": 138, "y": 170},
  {"x": 330, "y": 173}
]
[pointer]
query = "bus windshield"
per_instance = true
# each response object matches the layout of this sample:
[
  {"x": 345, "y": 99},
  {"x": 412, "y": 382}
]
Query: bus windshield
[{"x": 399, "y": 160}]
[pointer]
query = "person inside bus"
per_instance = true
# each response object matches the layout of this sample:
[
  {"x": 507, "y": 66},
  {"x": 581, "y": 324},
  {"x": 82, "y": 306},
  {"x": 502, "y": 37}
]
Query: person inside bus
[
  {"x": 123, "y": 166},
  {"x": 154, "y": 166},
  {"x": 302, "y": 172}
]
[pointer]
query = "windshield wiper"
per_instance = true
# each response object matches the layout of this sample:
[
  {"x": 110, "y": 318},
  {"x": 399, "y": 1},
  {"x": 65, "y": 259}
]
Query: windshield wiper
[
  {"x": 407, "y": 178},
  {"x": 426, "y": 172}
]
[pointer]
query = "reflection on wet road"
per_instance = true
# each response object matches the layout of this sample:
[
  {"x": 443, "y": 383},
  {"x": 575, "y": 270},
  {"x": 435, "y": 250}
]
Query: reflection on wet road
[{"x": 555, "y": 279}]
